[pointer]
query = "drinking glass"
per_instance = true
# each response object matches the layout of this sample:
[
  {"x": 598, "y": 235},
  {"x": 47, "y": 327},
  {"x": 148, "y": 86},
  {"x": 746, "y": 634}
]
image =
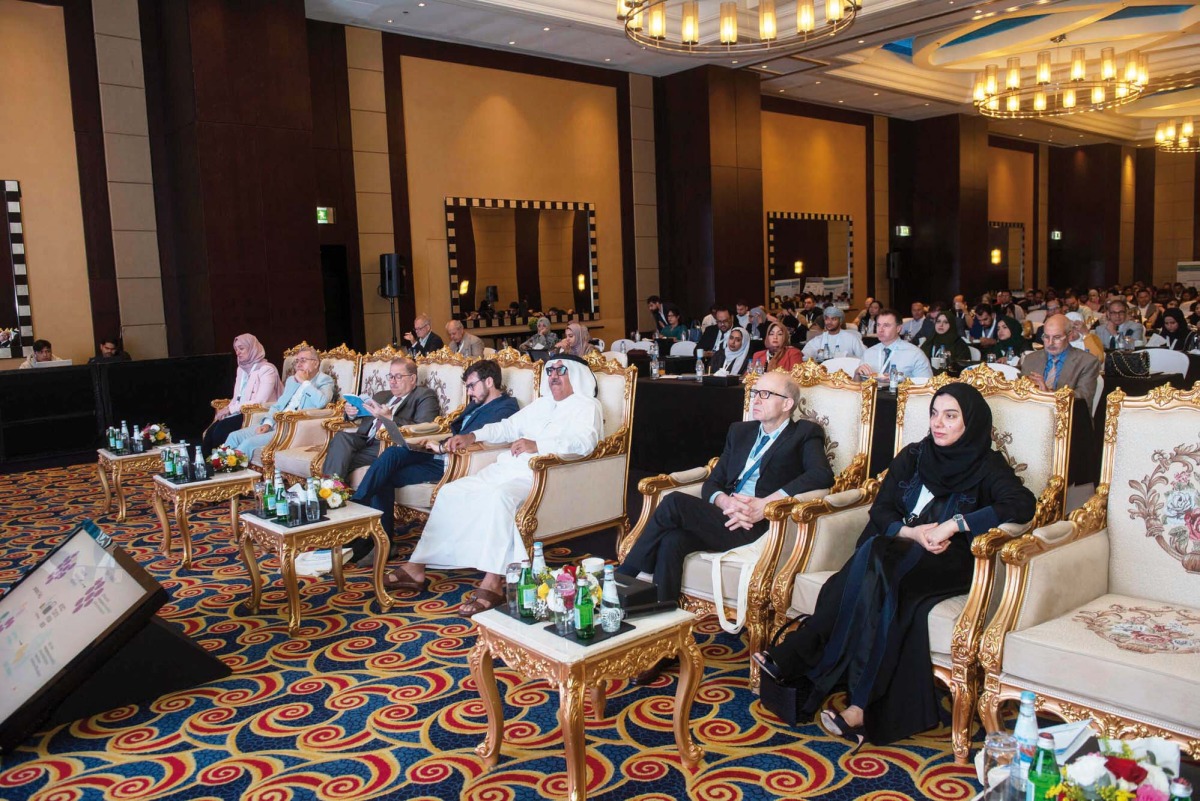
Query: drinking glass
[
  {"x": 564, "y": 622},
  {"x": 260, "y": 489},
  {"x": 512, "y": 577},
  {"x": 294, "y": 511},
  {"x": 312, "y": 511},
  {"x": 999, "y": 751},
  {"x": 991, "y": 358}
]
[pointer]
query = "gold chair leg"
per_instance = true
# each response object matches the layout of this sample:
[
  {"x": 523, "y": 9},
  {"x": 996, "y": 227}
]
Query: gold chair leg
[
  {"x": 104, "y": 485},
  {"x": 691, "y": 669},
  {"x": 480, "y": 663},
  {"x": 963, "y": 694},
  {"x": 570, "y": 718}
]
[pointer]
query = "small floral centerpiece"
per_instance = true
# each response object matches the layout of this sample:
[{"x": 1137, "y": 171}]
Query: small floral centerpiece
[
  {"x": 333, "y": 492},
  {"x": 228, "y": 460},
  {"x": 156, "y": 434},
  {"x": 548, "y": 579},
  {"x": 1124, "y": 770}
]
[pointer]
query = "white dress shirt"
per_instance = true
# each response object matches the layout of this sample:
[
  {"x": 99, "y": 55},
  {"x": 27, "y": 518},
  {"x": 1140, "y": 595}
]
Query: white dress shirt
[
  {"x": 900, "y": 355},
  {"x": 843, "y": 343}
]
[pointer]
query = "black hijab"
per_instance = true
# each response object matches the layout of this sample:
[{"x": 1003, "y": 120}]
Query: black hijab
[
  {"x": 1178, "y": 340},
  {"x": 959, "y": 466}
]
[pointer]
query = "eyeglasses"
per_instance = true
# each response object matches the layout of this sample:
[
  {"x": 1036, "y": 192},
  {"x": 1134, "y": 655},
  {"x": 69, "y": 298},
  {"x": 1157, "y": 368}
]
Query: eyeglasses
[
  {"x": 301, "y": 359},
  {"x": 560, "y": 370},
  {"x": 1054, "y": 337},
  {"x": 398, "y": 376},
  {"x": 471, "y": 384},
  {"x": 765, "y": 394}
]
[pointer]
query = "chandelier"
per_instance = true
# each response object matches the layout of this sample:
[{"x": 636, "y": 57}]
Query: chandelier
[
  {"x": 1076, "y": 90},
  {"x": 1181, "y": 138},
  {"x": 676, "y": 26}
]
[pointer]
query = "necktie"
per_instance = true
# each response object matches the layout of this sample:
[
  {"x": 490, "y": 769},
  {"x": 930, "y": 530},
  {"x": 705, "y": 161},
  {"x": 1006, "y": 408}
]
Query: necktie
[
  {"x": 887, "y": 358},
  {"x": 392, "y": 404},
  {"x": 1052, "y": 374}
]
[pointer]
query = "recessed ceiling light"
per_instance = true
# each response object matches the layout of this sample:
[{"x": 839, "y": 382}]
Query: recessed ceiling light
[
  {"x": 927, "y": 104},
  {"x": 420, "y": 5},
  {"x": 389, "y": 22},
  {"x": 841, "y": 101},
  {"x": 512, "y": 43},
  {"x": 608, "y": 59},
  {"x": 545, "y": 29},
  {"x": 781, "y": 91},
  {"x": 818, "y": 83},
  {"x": 734, "y": 61},
  {"x": 860, "y": 41},
  {"x": 1011, "y": 9},
  {"x": 877, "y": 94}
]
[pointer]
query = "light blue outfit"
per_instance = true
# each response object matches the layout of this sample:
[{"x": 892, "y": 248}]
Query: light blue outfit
[{"x": 313, "y": 395}]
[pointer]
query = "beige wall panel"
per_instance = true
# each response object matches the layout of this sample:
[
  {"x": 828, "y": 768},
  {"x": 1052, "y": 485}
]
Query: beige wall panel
[
  {"x": 368, "y": 131},
  {"x": 136, "y": 254},
  {"x": 642, "y": 123},
  {"x": 641, "y": 91},
  {"x": 1010, "y": 197},
  {"x": 37, "y": 148},
  {"x": 128, "y": 159},
  {"x": 123, "y": 109},
  {"x": 820, "y": 167},
  {"x": 366, "y": 90},
  {"x": 643, "y": 155},
  {"x": 547, "y": 139},
  {"x": 1174, "y": 198},
  {"x": 371, "y": 245},
  {"x": 132, "y": 207},
  {"x": 364, "y": 49},
  {"x": 647, "y": 255},
  {"x": 119, "y": 61},
  {"x": 374, "y": 214},
  {"x": 372, "y": 173},
  {"x": 141, "y": 301},
  {"x": 645, "y": 193},
  {"x": 116, "y": 18},
  {"x": 145, "y": 341},
  {"x": 378, "y": 330}
]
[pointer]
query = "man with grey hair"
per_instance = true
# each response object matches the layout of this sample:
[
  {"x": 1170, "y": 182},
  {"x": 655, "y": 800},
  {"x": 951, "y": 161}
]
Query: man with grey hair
[
  {"x": 306, "y": 388},
  {"x": 835, "y": 340},
  {"x": 462, "y": 343},
  {"x": 421, "y": 340}
]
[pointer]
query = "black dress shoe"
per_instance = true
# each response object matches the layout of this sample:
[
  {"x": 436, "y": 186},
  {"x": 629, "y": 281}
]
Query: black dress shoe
[{"x": 650, "y": 674}]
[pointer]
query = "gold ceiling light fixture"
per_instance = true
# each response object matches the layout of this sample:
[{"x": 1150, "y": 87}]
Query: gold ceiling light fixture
[
  {"x": 1177, "y": 136},
  {"x": 1056, "y": 90},
  {"x": 722, "y": 27}
]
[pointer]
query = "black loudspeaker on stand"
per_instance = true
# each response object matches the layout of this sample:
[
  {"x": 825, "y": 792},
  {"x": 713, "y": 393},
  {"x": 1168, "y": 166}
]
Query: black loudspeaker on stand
[{"x": 393, "y": 283}]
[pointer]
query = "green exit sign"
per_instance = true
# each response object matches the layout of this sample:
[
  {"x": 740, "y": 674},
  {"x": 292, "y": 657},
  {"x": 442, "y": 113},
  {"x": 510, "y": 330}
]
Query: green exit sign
[{"x": 326, "y": 215}]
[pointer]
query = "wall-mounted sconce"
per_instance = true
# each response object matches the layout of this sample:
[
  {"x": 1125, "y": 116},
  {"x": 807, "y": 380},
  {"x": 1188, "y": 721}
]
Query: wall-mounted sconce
[
  {"x": 464, "y": 286},
  {"x": 997, "y": 256},
  {"x": 581, "y": 282},
  {"x": 799, "y": 267}
]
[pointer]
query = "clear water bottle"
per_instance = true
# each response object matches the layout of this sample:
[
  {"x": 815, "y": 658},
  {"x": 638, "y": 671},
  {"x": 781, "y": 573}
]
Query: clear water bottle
[
  {"x": 312, "y": 502},
  {"x": 539, "y": 560},
  {"x": 611, "y": 613},
  {"x": 199, "y": 468},
  {"x": 699, "y": 365},
  {"x": 891, "y": 374},
  {"x": 653, "y": 366},
  {"x": 1026, "y": 734}
]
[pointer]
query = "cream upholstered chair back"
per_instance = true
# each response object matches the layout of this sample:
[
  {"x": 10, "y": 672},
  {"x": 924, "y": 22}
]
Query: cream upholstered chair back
[
  {"x": 373, "y": 374},
  {"x": 289, "y": 360},
  {"x": 843, "y": 407},
  {"x": 522, "y": 377},
  {"x": 442, "y": 371},
  {"x": 614, "y": 390},
  {"x": 1152, "y": 467},
  {"x": 342, "y": 365}
]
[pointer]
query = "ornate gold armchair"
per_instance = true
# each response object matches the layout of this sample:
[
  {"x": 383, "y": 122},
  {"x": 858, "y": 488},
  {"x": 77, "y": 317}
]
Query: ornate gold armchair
[
  {"x": 1032, "y": 428},
  {"x": 845, "y": 409},
  {"x": 1100, "y": 615},
  {"x": 253, "y": 412}
]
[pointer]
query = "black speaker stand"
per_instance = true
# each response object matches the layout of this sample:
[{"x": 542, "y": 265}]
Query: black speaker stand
[{"x": 394, "y": 315}]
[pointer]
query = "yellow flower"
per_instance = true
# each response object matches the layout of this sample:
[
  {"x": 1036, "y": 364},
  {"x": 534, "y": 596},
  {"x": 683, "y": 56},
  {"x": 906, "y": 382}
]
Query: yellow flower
[
  {"x": 325, "y": 492},
  {"x": 231, "y": 460},
  {"x": 160, "y": 436},
  {"x": 543, "y": 591}
]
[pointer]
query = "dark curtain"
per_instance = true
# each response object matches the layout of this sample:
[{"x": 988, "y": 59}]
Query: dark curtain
[
  {"x": 529, "y": 286},
  {"x": 464, "y": 245}
]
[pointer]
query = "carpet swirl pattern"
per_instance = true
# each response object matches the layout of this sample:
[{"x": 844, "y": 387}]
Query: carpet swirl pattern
[{"x": 364, "y": 705}]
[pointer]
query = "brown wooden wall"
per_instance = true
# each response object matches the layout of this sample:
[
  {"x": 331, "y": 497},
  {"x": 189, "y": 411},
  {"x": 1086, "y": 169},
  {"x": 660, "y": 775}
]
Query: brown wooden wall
[{"x": 1085, "y": 204}]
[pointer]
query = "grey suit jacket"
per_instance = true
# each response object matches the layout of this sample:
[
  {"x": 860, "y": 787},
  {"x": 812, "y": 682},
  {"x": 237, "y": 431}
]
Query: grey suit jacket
[
  {"x": 1080, "y": 371},
  {"x": 471, "y": 346},
  {"x": 420, "y": 406}
]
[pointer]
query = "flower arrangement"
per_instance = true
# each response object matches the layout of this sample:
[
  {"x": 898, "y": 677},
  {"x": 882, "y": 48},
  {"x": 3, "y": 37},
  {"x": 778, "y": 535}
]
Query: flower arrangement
[
  {"x": 157, "y": 434},
  {"x": 333, "y": 492},
  {"x": 1130, "y": 770},
  {"x": 228, "y": 460},
  {"x": 549, "y": 578}
]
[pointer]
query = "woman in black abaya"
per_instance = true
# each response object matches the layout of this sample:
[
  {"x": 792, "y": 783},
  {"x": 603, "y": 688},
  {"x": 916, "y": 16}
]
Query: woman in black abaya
[{"x": 869, "y": 633}]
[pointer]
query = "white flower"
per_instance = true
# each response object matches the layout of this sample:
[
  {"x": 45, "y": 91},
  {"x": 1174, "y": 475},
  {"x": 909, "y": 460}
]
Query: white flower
[
  {"x": 1087, "y": 770},
  {"x": 1156, "y": 777},
  {"x": 327, "y": 484},
  {"x": 334, "y": 501}
]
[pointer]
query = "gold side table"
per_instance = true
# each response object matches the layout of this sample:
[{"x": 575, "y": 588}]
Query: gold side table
[
  {"x": 344, "y": 525},
  {"x": 575, "y": 669},
  {"x": 113, "y": 467},
  {"x": 221, "y": 487}
]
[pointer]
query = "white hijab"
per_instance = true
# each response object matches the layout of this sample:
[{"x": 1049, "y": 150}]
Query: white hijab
[{"x": 734, "y": 358}]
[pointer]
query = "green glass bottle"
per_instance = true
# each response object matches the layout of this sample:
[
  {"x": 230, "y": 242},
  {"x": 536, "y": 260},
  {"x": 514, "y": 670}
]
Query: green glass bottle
[
  {"x": 268, "y": 502},
  {"x": 526, "y": 590},
  {"x": 585, "y": 612},
  {"x": 1044, "y": 773},
  {"x": 1181, "y": 790}
]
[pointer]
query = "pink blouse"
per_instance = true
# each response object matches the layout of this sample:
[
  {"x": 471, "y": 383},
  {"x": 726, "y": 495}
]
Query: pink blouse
[{"x": 260, "y": 386}]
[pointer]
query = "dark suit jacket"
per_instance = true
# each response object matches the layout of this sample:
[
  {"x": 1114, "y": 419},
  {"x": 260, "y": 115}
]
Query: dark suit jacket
[
  {"x": 434, "y": 342},
  {"x": 796, "y": 463},
  {"x": 421, "y": 406},
  {"x": 708, "y": 338},
  {"x": 477, "y": 417},
  {"x": 1080, "y": 371}
]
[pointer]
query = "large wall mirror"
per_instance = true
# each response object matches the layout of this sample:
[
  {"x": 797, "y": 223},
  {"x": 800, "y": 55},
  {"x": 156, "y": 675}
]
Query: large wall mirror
[
  {"x": 1006, "y": 252},
  {"x": 803, "y": 247},
  {"x": 16, "y": 319},
  {"x": 537, "y": 254}
]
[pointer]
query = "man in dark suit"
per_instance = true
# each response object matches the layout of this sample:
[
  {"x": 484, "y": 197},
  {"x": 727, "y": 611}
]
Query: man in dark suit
[
  {"x": 401, "y": 465},
  {"x": 404, "y": 405},
  {"x": 658, "y": 312},
  {"x": 421, "y": 340},
  {"x": 765, "y": 459},
  {"x": 713, "y": 338}
]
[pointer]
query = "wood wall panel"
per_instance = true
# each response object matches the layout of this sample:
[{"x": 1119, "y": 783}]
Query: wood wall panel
[
  {"x": 1085, "y": 204},
  {"x": 1143, "y": 215}
]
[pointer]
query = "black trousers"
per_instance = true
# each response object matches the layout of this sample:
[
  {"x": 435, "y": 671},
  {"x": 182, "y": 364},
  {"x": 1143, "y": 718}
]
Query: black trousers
[
  {"x": 682, "y": 524},
  {"x": 219, "y": 431}
]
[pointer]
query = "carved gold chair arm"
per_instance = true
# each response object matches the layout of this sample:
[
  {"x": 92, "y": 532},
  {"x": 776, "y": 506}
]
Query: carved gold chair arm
[
  {"x": 1084, "y": 521},
  {"x": 652, "y": 489},
  {"x": 425, "y": 429},
  {"x": 339, "y": 423},
  {"x": 251, "y": 409},
  {"x": 220, "y": 403}
]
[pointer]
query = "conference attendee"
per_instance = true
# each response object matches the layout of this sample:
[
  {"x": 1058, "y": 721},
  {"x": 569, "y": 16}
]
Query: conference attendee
[
  {"x": 764, "y": 459},
  {"x": 758, "y": 323},
  {"x": 733, "y": 358},
  {"x": 1175, "y": 331},
  {"x": 868, "y": 319},
  {"x": 1010, "y": 340},
  {"x": 1146, "y": 310},
  {"x": 1081, "y": 338},
  {"x": 1058, "y": 364},
  {"x": 945, "y": 344},
  {"x": 918, "y": 327},
  {"x": 473, "y": 521},
  {"x": 657, "y": 312},
  {"x": 674, "y": 329},
  {"x": 110, "y": 351},
  {"x": 256, "y": 382},
  {"x": 835, "y": 340},
  {"x": 404, "y": 404},
  {"x": 892, "y": 353},
  {"x": 779, "y": 353},
  {"x": 713, "y": 338},
  {"x": 402, "y": 465},
  {"x": 983, "y": 329},
  {"x": 43, "y": 353},
  {"x": 576, "y": 341},
  {"x": 1117, "y": 327},
  {"x": 542, "y": 339},
  {"x": 810, "y": 312},
  {"x": 743, "y": 314},
  {"x": 963, "y": 318},
  {"x": 307, "y": 388},
  {"x": 461, "y": 342},
  {"x": 869, "y": 632},
  {"x": 862, "y": 313},
  {"x": 1094, "y": 302},
  {"x": 421, "y": 340},
  {"x": 1006, "y": 308}
]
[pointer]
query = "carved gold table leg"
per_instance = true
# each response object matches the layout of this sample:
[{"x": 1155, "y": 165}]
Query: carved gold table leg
[
  {"x": 381, "y": 549},
  {"x": 116, "y": 479},
  {"x": 234, "y": 517},
  {"x": 570, "y": 717},
  {"x": 691, "y": 669},
  {"x": 599, "y": 700},
  {"x": 335, "y": 553},
  {"x": 182, "y": 507},
  {"x": 252, "y": 568},
  {"x": 480, "y": 662},
  {"x": 287, "y": 566},
  {"x": 160, "y": 509},
  {"x": 102, "y": 472}
]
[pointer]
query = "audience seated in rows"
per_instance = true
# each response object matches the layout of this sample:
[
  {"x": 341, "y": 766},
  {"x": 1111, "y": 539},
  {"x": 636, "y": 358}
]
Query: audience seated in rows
[
  {"x": 918, "y": 327},
  {"x": 576, "y": 341},
  {"x": 1059, "y": 365},
  {"x": 43, "y": 353},
  {"x": 421, "y": 340},
  {"x": 946, "y": 342},
  {"x": 713, "y": 337},
  {"x": 675, "y": 328},
  {"x": 734, "y": 358},
  {"x": 1010, "y": 342},
  {"x": 543, "y": 338},
  {"x": 110, "y": 351}
]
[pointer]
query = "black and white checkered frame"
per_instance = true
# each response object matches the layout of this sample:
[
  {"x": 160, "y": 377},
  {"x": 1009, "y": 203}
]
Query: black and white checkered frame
[
  {"x": 452, "y": 204},
  {"x": 14, "y": 240},
  {"x": 772, "y": 216},
  {"x": 1024, "y": 235}
]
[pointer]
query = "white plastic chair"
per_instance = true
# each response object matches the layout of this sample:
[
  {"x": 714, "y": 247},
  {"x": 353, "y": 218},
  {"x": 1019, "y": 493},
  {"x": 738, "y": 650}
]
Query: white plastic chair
[
  {"x": 623, "y": 345},
  {"x": 1168, "y": 361},
  {"x": 975, "y": 354},
  {"x": 620, "y": 356},
  {"x": 683, "y": 348},
  {"x": 489, "y": 353},
  {"x": 643, "y": 345},
  {"x": 847, "y": 364}
]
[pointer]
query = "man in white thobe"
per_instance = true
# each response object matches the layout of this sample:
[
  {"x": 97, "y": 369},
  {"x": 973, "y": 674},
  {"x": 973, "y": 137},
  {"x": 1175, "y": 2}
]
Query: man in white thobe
[{"x": 473, "y": 522}]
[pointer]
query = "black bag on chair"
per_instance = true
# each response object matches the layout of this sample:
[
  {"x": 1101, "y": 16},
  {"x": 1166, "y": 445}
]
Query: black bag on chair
[
  {"x": 1127, "y": 363},
  {"x": 780, "y": 697}
]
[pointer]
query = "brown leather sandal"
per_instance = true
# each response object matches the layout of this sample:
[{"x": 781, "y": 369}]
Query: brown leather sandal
[
  {"x": 400, "y": 579},
  {"x": 480, "y": 600}
]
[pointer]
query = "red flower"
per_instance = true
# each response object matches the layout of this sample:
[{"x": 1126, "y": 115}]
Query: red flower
[
  {"x": 1191, "y": 519},
  {"x": 570, "y": 570},
  {"x": 1126, "y": 769}
]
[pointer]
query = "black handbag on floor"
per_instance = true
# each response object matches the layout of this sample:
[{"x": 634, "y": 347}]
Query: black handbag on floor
[
  {"x": 1127, "y": 363},
  {"x": 779, "y": 697}
]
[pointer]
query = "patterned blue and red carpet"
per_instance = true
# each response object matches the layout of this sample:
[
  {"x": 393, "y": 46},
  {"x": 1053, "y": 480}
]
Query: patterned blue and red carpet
[{"x": 363, "y": 705}]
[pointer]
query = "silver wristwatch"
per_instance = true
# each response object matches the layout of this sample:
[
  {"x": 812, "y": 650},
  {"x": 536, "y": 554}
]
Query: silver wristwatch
[{"x": 961, "y": 522}]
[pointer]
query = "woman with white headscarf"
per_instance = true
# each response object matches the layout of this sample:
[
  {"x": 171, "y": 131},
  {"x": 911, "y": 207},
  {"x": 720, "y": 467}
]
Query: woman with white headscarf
[
  {"x": 257, "y": 382},
  {"x": 576, "y": 340},
  {"x": 757, "y": 326},
  {"x": 732, "y": 359},
  {"x": 473, "y": 522}
]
